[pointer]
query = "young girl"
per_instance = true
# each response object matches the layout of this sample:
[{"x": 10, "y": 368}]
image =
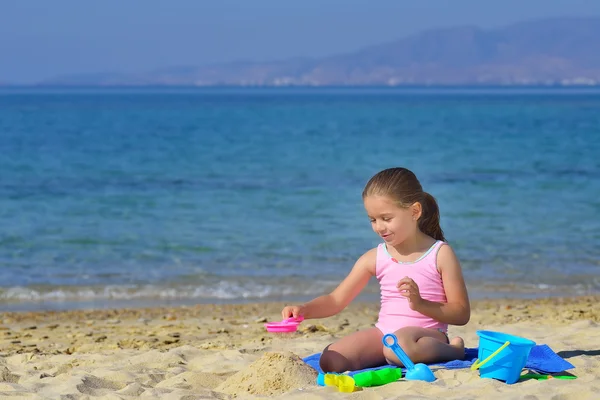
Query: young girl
[{"x": 422, "y": 286}]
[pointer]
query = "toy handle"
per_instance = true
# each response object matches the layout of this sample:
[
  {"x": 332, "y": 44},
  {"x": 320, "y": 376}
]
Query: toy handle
[
  {"x": 397, "y": 350},
  {"x": 478, "y": 364}
]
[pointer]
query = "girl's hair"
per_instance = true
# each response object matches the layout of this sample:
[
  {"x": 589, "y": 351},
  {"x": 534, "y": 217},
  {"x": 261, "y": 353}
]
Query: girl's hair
[{"x": 403, "y": 186}]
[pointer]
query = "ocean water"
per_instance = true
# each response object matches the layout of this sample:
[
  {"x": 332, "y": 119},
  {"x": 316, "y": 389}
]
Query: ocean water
[{"x": 173, "y": 196}]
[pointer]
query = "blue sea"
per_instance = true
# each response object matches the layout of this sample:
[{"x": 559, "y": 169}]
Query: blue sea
[{"x": 155, "y": 196}]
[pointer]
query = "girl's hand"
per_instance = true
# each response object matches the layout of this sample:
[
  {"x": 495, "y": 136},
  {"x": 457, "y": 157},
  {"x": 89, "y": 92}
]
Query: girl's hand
[
  {"x": 409, "y": 289},
  {"x": 292, "y": 311}
]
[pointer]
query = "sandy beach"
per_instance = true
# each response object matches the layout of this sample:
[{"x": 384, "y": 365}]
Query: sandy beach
[{"x": 223, "y": 351}]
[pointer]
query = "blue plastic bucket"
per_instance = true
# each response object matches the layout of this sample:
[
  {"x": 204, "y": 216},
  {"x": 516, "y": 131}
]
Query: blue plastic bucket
[{"x": 507, "y": 364}]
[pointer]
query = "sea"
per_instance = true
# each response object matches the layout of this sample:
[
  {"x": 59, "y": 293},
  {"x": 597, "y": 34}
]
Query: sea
[{"x": 118, "y": 197}]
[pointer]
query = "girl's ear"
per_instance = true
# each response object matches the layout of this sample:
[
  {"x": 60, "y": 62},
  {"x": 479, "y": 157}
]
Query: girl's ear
[{"x": 416, "y": 210}]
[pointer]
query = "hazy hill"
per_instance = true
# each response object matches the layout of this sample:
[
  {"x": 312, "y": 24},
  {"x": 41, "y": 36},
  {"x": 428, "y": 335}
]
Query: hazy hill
[{"x": 559, "y": 50}]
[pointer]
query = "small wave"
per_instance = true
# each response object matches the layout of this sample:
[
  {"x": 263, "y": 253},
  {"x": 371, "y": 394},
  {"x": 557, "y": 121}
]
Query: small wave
[
  {"x": 71, "y": 297},
  {"x": 223, "y": 290}
]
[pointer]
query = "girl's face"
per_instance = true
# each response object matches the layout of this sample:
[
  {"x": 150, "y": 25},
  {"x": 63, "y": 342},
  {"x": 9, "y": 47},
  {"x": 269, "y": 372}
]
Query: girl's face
[{"x": 390, "y": 221}]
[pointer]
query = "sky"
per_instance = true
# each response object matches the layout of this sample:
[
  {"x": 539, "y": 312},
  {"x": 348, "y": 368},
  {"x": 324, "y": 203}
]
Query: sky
[{"x": 42, "y": 39}]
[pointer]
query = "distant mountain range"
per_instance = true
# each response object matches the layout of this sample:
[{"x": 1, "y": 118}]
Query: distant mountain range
[{"x": 551, "y": 51}]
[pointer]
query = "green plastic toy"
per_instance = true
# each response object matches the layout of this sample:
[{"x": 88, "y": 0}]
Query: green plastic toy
[
  {"x": 378, "y": 377},
  {"x": 540, "y": 377}
]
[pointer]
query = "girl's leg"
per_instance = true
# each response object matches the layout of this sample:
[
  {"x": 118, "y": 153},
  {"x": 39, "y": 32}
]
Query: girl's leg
[
  {"x": 362, "y": 349},
  {"x": 426, "y": 346}
]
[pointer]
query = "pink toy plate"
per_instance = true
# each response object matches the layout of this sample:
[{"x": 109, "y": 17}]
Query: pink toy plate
[{"x": 287, "y": 325}]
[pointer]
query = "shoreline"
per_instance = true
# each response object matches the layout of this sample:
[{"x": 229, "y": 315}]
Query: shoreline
[
  {"x": 477, "y": 293},
  {"x": 195, "y": 350}
]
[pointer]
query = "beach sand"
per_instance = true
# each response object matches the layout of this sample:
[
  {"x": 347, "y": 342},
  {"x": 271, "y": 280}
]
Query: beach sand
[{"x": 223, "y": 351}]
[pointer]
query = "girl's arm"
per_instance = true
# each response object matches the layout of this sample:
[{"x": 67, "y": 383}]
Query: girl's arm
[
  {"x": 457, "y": 310},
  {"x": 334, "y": 302}
]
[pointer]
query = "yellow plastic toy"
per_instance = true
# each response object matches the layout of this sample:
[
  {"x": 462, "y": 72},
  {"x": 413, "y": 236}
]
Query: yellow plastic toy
[{"x": 344, "y": 383}]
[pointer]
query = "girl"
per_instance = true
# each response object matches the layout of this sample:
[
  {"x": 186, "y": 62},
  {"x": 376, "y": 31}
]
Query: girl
[{"x": 422, "y": 286}]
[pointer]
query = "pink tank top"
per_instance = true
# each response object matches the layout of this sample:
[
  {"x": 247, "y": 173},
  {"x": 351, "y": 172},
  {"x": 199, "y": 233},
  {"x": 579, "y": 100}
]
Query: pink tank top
[{"x": 395, "y": 312}]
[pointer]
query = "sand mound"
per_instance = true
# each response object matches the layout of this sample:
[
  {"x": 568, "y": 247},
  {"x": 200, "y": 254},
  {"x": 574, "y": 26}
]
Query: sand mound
[{"x": 272, "y": 374}]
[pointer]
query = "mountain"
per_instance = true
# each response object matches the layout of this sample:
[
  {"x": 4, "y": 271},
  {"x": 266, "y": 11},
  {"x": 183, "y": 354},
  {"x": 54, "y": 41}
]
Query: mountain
[{"x": 549, "y": 51}]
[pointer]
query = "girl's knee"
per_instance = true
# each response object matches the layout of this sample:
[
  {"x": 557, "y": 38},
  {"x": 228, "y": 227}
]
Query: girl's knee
[
  {"x": 356, "y": 351},
  {"x": 332, "y": 361}
]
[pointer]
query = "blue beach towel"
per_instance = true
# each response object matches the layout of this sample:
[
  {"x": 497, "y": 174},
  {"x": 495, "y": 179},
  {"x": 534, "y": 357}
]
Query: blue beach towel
[{"x": 541, "y": 359}]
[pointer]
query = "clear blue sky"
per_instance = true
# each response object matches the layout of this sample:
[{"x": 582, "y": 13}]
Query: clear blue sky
[{"x": 45, "y": 38}]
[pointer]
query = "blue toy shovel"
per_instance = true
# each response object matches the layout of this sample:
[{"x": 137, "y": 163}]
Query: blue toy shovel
[{"x": 418, "y": 372}]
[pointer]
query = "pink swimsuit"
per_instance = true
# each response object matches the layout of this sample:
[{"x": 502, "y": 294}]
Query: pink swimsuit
[{"x": 395, "y": 312}]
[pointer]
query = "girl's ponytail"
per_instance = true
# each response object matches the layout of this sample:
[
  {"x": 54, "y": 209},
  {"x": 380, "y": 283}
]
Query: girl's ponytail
[{"x": 429, "y": 223}]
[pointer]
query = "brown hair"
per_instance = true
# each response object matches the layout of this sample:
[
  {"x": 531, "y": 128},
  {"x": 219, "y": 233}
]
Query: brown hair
[{"x": 403, "y": 186}]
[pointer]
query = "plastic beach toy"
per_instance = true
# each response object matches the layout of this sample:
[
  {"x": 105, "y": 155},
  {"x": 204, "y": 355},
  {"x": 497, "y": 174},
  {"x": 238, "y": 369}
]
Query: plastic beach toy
[
  {"x": 414, "y": 372},
  {"x": 344, "y": 383},
  {"x": 503, "y": 355},
  {"x": 363, "y": 379},
  {"x": 541, "y": 377},
  {"x": 287, "y": 325},
  {"x": 378, "y": 377}
]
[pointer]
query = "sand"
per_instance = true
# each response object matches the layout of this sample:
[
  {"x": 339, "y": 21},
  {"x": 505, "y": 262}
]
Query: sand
[
  {"x": 223, "y": 351},
  {"x": 273, "y": 373}
]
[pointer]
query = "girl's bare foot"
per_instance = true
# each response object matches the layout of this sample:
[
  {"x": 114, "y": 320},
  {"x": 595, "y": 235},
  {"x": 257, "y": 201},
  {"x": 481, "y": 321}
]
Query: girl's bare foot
[{"x": 458, "y": 343}]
